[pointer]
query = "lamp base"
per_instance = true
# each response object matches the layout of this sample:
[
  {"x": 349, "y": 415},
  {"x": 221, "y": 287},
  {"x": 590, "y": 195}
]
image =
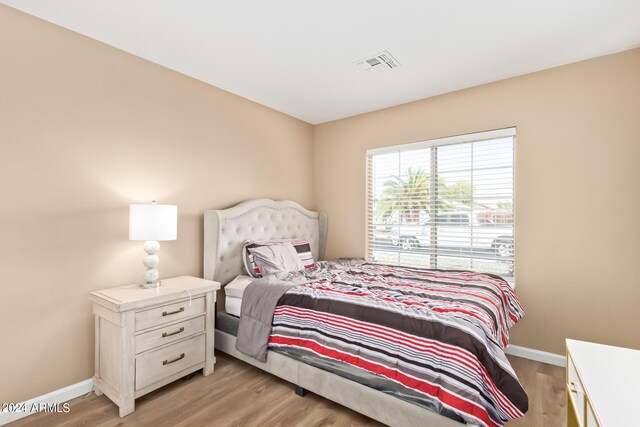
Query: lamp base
[
  {"x": 151, "y": 261},
  {"x": 152, "y": 285}
]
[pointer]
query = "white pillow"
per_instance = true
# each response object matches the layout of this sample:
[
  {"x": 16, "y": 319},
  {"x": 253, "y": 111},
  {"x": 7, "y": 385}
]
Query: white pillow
[
  {"x": 277, "y": 258},
  {"x": 302, "y": 246},
  {"x": 236, "y": 287}
]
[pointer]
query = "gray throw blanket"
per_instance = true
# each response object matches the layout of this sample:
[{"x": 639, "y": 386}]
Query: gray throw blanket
[
  {"x": 259, "y": 302},
  {"x": 260, "y": 299}
]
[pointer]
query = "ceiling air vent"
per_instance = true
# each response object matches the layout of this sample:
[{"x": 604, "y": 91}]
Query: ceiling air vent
[{"x": 379, "y": 62}]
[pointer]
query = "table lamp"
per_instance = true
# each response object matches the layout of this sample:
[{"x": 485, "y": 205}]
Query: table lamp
[{"x": 151, "y": 223}]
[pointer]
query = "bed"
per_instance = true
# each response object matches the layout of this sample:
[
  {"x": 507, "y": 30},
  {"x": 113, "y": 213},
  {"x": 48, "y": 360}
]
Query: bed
[{"x": 379, "y": 398}]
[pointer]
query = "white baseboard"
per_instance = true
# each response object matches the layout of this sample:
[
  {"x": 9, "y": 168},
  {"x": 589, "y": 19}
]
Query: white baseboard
[
  {"x": 60, "y": 396},
  {"x": 540, "y": 356}
]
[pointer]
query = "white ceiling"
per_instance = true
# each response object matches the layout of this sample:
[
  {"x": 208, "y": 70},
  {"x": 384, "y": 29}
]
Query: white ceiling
[{"x": 299, "y": 57}]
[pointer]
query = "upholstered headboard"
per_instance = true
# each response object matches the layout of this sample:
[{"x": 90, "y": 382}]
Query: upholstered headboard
[{"x": 226, "y": 230}]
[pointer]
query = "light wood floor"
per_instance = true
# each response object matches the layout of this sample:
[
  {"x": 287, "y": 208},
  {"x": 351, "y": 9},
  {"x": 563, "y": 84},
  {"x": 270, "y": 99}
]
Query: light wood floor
[
  {"x": 237, "y": 394},
  {"x": 545, "y": 385}
]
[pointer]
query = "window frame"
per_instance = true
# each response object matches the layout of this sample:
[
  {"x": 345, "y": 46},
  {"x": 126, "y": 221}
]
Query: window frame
[{"x": 438, "y": 142}]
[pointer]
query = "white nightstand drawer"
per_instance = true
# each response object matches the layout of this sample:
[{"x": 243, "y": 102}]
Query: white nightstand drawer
[
  {"x": 168, "y": 313},
  {"x": 572, "y": 375},
  {"x": 578, "y": 403},
  {"x": 148, "y": 340},
  {"x": 157, "y": 365},
  {"x": 576, "y": 391}
]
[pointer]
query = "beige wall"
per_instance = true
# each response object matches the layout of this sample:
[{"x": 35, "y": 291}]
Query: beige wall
[
  {"x": 577, "y": 189},
  {"x": 85, "y": 130}
]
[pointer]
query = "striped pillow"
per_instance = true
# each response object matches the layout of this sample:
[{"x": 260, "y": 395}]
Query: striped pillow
[{"x": 302, "y": 247}]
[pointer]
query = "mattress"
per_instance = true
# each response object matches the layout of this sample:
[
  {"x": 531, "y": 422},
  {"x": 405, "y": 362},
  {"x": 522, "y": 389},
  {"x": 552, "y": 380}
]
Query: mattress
[
  {"x": 236, "y": 287},
  {"x": 233, "y": 294},
  {"x": 232, "y": 305}
]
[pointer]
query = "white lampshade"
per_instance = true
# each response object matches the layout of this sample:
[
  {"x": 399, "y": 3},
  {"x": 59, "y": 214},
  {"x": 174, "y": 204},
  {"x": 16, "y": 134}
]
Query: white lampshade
[{"x": 153, "y": 222}]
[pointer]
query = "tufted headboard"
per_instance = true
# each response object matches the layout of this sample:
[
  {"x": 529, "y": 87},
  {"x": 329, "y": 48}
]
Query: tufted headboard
[{"x": 226, "y": 230}]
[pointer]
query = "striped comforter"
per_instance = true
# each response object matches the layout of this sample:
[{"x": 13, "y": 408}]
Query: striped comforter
[{"x": 441, "y": 333}]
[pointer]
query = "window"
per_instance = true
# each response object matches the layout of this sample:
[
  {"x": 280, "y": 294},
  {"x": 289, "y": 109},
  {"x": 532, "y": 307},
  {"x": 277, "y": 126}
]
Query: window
[{"x": 444, "y": 204}]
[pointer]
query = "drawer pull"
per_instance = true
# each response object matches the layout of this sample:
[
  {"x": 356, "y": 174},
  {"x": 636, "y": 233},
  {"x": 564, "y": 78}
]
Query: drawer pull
[
  {"x": 168, "y": 362},
  {"x": 168, "y": 334},
  {"x": 573, "y": 388},
  {"x": 169, "y": 313}
]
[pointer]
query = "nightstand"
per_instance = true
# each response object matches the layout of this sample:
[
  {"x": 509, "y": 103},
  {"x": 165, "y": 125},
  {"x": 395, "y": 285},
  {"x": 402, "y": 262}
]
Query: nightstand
[{"x": 147, "y": 338}]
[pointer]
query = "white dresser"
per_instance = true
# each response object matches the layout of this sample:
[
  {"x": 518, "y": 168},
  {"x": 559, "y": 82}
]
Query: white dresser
[
  {"x": 146, "y": 338},
  {"x": 603, "y": 385}
]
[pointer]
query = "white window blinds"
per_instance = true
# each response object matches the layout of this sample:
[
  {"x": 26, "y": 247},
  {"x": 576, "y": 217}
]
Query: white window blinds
[{"x": 444, "y": 204}]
